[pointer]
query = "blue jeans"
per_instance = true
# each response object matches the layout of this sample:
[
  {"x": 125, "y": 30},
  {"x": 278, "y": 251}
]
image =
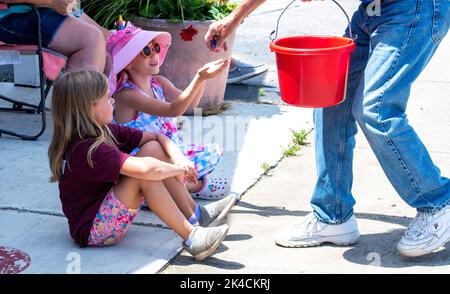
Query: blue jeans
[{"x": 392, "y": 50}]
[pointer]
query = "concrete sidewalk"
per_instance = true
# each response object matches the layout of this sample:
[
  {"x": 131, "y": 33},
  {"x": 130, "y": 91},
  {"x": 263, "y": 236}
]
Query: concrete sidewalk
[{"x": 282, "y": 198}]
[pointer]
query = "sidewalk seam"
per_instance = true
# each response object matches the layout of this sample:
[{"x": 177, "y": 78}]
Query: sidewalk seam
[{"x": 58, "y": 214}]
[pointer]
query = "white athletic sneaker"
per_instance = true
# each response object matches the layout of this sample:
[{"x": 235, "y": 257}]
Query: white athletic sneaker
[
  {"x": 426, "y": 233},
  {"x": 312, "y": 232},
  {"x": 205, "y": 241},
  {"x": 214, "y": 214}
]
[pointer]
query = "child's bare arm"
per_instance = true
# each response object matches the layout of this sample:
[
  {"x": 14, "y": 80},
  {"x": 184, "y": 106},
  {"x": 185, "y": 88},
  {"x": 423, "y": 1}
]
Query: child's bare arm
[
  {"x": 173, "y": 152},
  {"x": 171, "y": 92},
  {"x": 178, "y": 158},
  {"x": 167, "y": 145},
  {"x": 149, "y": 168},
  {"x": 139, "y": 102},
  {"x": 194, "y": 91}
]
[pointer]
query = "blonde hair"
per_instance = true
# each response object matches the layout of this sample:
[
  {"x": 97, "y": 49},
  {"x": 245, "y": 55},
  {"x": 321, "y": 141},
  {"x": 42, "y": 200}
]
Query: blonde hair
[{"x": 72, "y": 100}]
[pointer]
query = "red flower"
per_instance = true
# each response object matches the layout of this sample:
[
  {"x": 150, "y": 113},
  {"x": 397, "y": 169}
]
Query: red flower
[{"x": 188, "y": 34}]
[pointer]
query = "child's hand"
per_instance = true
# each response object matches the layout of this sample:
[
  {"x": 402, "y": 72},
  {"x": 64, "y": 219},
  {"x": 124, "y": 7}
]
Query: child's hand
[
  {"x": 190, "y": 173},
  {"x": 212, "y": 69}
]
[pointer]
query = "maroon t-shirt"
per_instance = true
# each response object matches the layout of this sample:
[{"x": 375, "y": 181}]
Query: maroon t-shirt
[{"x": 82, "y": 188}]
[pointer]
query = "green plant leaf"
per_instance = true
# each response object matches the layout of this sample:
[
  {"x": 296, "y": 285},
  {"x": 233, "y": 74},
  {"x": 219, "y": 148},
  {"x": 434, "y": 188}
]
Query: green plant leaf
[
  {"x": 107, "y": 12},
  {"x": 168, "y": 8},
  {"x": 150, "y": 11}
]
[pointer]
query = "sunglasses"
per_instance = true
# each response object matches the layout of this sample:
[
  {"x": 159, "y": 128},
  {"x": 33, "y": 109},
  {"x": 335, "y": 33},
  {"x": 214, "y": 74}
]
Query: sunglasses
[{"x": 147, "y": 51}]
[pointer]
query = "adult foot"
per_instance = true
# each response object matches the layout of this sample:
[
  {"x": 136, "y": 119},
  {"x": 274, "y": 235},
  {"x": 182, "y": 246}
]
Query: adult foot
[
  {"x": 312, "y": 232},
  {"x": 426, "y": 233}
]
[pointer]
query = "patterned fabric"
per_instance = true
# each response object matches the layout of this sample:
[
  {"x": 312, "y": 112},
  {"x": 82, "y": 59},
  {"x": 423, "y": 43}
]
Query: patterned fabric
[
  {"x": 112, "y": 221},
  {"x": 205, "y": 157}
]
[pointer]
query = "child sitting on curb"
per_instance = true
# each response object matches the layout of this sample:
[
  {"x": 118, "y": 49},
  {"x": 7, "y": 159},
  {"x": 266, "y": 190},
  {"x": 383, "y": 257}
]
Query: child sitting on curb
[
  {"x": 102, "y": 186},
  {"x": 149, "y": 102}
]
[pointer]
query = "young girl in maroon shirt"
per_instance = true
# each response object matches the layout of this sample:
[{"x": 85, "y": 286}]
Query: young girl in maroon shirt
[{"x": 102, "y": 186}]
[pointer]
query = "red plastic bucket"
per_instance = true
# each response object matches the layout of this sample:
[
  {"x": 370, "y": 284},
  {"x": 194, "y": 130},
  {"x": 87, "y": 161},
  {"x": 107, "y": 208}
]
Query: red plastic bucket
[{"x": 313, "y": 70}]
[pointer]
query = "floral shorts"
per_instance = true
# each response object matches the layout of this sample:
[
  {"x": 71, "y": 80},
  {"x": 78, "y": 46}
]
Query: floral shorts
[{"x": 112, "y": 221}]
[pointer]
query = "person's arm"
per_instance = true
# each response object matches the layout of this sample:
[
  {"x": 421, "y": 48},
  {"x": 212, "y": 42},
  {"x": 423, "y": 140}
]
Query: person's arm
[
  {"x": 138, "y": 101},
  {"x": 172, "y": 150},
  {"x": 167, "y": 145},
  {"x": 244, "y": 9},
  {"x": 171, "y": 92},
  {"x": 178, "y": 158},
  {"x": 222, "y": 29},
  {"x": 149, "y": 168},
  {"x": 208, "y": 71},
  {"x": 61, "y": 6}
]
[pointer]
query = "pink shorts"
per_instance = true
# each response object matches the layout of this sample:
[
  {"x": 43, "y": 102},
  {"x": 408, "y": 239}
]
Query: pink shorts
[{"x": 111, "y": 222}]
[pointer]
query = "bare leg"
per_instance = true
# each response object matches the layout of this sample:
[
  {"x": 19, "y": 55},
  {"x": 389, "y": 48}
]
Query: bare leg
[
  {"x": 108, "y": 64},
  {"x": 177, "y": 190},
  {"x": 181, "y": 196},
  {"x": 83, "y": 43},
  {"x": 129, "y": 191},
  {"x": 192, "y": 187},
  {"x": 86, "y": 18},
  {"x": 106, "y": 33}
]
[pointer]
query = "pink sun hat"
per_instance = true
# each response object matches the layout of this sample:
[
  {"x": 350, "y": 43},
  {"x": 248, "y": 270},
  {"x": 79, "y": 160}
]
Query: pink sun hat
[{"x": 124, "y": 45}]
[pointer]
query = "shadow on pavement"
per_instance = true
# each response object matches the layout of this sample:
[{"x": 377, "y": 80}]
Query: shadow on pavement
[{"x": 380, "y": 250}]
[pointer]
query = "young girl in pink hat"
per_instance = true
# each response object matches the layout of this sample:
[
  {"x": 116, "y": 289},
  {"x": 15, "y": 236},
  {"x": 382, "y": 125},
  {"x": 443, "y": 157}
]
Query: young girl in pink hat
[{"x": 149, "y": 102}]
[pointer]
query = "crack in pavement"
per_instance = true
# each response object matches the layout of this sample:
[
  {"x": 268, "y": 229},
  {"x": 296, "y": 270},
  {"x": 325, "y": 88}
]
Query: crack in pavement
[{"x": 59, "y": 214}]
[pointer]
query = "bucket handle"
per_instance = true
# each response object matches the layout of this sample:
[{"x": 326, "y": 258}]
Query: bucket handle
[{"x": 278, "y": 21}]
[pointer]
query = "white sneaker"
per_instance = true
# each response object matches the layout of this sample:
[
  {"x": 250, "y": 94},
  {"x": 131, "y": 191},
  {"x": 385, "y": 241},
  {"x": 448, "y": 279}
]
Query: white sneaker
[
  {"x": 426, "y": 233},
  {"x": 214, "y": 214},
  {"x": 205, "y": 241},
  {"x": 312, "y": 232}
]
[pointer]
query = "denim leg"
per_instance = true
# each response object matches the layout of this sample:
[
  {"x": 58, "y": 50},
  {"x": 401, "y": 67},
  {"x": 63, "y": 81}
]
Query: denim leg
[
  {"x": 402, "y": 42},
  {"x": 335, "y": 130}
]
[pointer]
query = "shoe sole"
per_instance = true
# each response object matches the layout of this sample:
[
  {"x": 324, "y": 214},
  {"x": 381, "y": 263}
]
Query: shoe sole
[
  {"x": 340, "y": 240},
  {"x": 220, "y": 219},
  {"x": 423, "y": 251},
  {"x": 246, "y": 76},
  {"x": 203, "y": 255},
  {"x": 214, "y": 198}
]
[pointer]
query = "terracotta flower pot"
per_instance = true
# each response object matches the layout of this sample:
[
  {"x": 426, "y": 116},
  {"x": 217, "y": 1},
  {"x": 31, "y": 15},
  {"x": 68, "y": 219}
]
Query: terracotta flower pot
[{"x": 187, "y": 54}]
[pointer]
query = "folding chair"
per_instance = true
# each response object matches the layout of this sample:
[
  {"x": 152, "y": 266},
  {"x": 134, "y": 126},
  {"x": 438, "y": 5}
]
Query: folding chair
[{"x": 50, "y": 65}]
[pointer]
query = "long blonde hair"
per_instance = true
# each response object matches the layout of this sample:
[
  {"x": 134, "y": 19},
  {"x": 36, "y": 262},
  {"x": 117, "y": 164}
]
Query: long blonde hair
[{"x": 72, "y": 100}]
